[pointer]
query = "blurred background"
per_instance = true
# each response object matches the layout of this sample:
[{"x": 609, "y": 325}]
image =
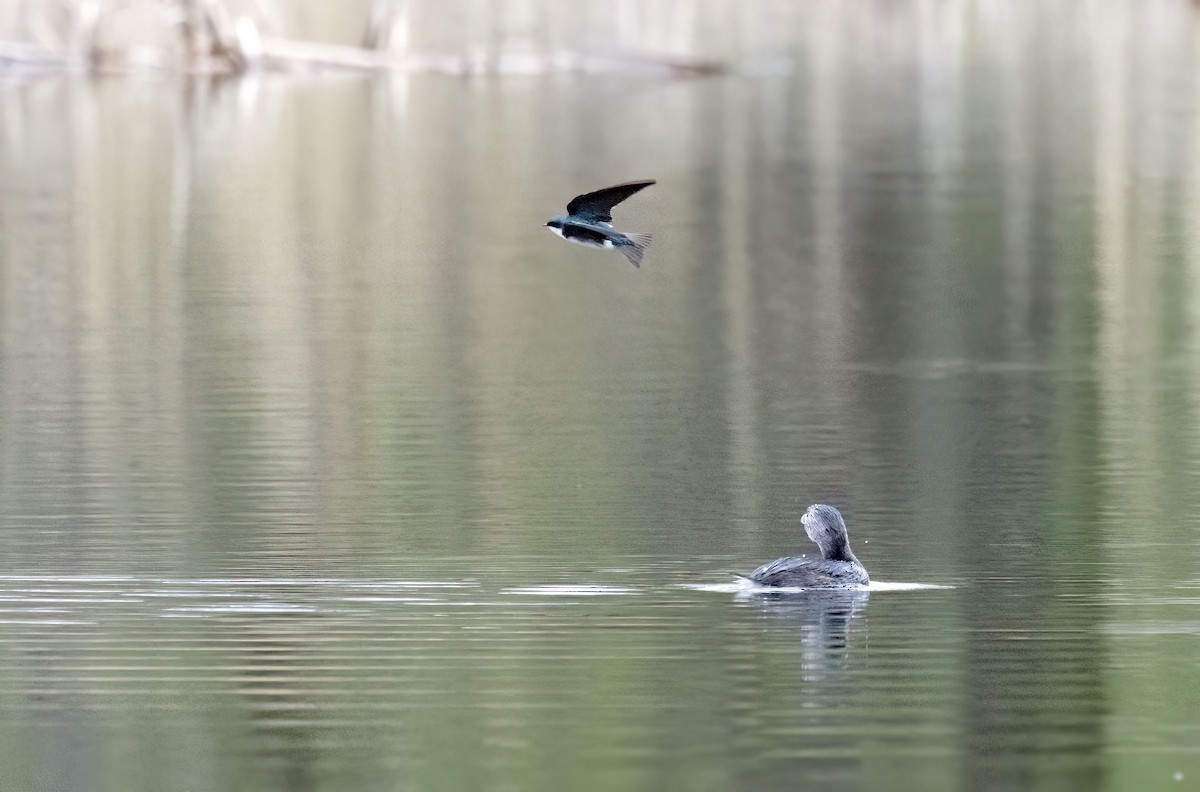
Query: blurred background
[
  {"x": 460, "y": 36},
  {"x": 324, "y": 466}
]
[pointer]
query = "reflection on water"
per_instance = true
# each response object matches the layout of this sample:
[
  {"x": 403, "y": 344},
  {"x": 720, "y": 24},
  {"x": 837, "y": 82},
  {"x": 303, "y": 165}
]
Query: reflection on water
[
  {"x": 322, "y": 466},
  {"x": 823, "y": 619}
]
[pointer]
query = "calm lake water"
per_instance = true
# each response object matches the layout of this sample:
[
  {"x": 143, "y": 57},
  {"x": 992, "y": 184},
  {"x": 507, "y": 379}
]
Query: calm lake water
[{"x": 323, "y": 466}]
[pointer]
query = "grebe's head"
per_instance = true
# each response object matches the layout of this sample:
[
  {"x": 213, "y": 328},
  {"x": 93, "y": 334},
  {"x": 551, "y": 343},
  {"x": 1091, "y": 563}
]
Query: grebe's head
[{"x": 824, "y": 525}]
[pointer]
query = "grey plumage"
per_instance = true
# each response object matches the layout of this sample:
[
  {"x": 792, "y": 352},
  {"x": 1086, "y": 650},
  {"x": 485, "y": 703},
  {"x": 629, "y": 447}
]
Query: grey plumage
[{"x": 836, "y": 568}]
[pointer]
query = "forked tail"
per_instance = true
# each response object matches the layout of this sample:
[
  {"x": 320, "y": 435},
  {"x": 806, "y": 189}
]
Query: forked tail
[{"x": 636, "y": 248}]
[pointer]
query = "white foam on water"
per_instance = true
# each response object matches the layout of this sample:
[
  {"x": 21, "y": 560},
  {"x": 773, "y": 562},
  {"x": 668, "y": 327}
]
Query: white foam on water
[
  {"x": 388, "y": 599},
  {"x": 732, "y": 587},
  {"x": 554, "y": 590},
  {"x": 246, "y": 607},
  {"x": 67, "y": 578},
  {"x": 334, "y": 582},
  {"x": 744, "y": 586},
  {"x": 878, "y": 585},
  {"x": 417, "y": 584},
  {"x": 740, "y": 586}
]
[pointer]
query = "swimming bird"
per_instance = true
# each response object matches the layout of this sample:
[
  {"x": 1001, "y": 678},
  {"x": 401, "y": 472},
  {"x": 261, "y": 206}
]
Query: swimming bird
[
  {"x": 836, "y": 568},
  {"x": 589, "y": 217}
]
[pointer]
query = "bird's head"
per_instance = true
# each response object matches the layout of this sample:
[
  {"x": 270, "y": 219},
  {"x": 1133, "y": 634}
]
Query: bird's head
[{"x": 824, "y": 525}]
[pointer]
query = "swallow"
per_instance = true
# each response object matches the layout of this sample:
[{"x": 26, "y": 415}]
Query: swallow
[{"x": 589, "y": 217}]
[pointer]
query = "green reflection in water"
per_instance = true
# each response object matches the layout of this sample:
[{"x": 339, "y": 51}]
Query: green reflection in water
[{"x": 282, "y": 358}]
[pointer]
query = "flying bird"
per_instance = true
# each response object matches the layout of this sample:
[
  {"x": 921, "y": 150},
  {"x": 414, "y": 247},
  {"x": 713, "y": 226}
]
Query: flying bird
[{"x": 589, "y": 217}]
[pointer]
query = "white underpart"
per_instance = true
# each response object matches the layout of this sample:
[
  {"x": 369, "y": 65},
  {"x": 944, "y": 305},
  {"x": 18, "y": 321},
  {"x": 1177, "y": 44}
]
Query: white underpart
[{"x": 606, "y": 244}]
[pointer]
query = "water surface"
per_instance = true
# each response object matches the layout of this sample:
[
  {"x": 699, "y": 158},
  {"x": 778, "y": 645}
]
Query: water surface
[{"x": 323, "y": 466}]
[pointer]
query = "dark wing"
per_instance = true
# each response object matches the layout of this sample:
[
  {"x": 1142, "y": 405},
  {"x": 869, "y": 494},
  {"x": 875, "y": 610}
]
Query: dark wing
[
  {"x": 809, "y": 573},
  {"x": 597, "y": 206},
  {"x": 813, "y": 575},
  {"x": 772, "y": 569}
]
